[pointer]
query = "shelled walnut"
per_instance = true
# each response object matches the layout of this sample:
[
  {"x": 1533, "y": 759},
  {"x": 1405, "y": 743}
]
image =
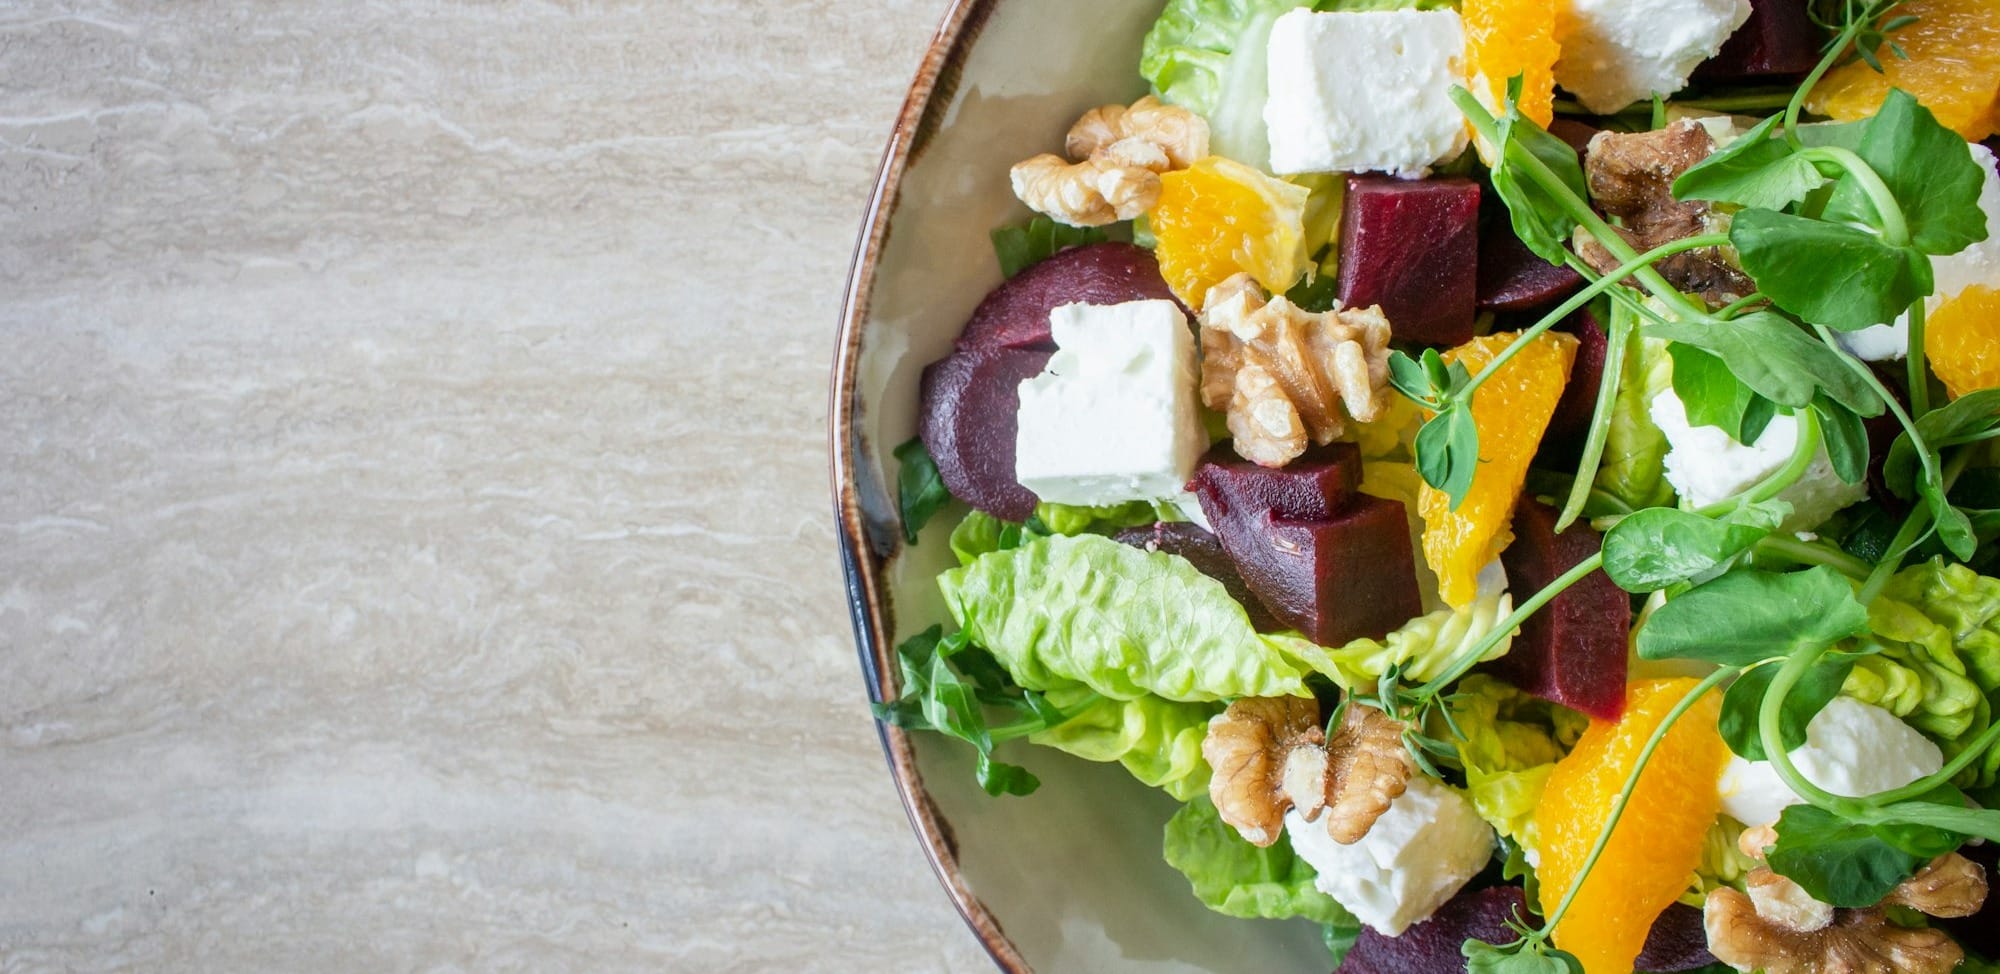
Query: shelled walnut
[
  {"x": 1777, "y": 928},
  {"x": 1118, "y": 154},
  {"x": 1288, "y": 378},
  {"x": 1271, "y": 756}
]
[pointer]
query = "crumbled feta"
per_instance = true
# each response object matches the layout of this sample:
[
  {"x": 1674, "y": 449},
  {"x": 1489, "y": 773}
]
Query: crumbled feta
[
  {"x": 1852, "y": 749},
  {"x": 1707, "y": 465},
  {"x": 1114, "y": 417},
  {"x": 1416, "y": 856},
  {"x": 1977, "y": 264},
  {"x": 1364, "y": 92},
  {"x": 1621, "y": 51}
]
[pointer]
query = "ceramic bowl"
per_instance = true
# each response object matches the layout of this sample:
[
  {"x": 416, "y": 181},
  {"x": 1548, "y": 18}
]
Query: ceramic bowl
[{"x": 1069, "y": 878}]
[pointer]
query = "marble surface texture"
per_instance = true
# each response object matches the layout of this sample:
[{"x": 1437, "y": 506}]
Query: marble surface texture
[{"x": 415, "y": 544}]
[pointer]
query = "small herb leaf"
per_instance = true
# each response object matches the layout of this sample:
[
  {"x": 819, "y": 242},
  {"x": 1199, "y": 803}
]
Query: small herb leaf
[
  {"x": 1776, "y": 360},
  {"x": 1024, "y": 246},
  {"x": 1837, "y": 861},
  {"x": 1755, "y": 170},
  {"x": 1448, "y": 451},
  {"x": 1660, "y": 546},
  {"x": 1928, "y": 171},
  {"x": 1845, "y": 438},
  {"x": 1745, "y": 698},
  {"x": 1829, "y": 273},
  {"x": 1748, "y": 616},
  {"x": 920, "y": 492}
]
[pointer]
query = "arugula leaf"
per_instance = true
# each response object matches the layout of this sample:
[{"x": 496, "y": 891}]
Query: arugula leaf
[
  {"x": 1745, "y": 697},
  {"x": 1660, "y": 546},
  {"x": 1969, "y": 415},
  {"x": 1756, "y": 170},
  {"x": 1829, "y": 273},
  {"x": 1845, "y": 439},
  {"x": 937, "y": 697},
  {"x": 1715, "y": 397},
  {"x": 1748, "y": 616},
  {"x": 920, "y": 492},
  {"x": 1024, "y": 246},
  {"x": 1776, "y": 360},
  {"x": 1448, "y": 451},
  {"x": 1927, "y": 169},
  {"x": 1837, "y": 861}
]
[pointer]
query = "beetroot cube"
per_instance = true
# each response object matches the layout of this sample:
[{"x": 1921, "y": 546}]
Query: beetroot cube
[
  {"x": 1413, "y": 248},
  {"x": 1334, "y": 581},
  {"x": 1677, "y": 942},
  {"x": 1311, "y": 488},
  {"x": 1016, "y": 314},
  {"x": 1573, "y": 651},
  {"x": 968, "y": 422},
  {"x": 1779, "y": 40},
  {"x": 1562, "y": 443},
  {"x": 1204, "y": 551},
  {"x": 1436, "y": 945},
  {"x": 1514, "y": 278}
]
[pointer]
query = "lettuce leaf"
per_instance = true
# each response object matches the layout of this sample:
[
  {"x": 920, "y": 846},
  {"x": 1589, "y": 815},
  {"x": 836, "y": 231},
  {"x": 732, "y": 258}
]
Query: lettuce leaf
[
  {"x": 1423, "y": 646},
  {"x": 1634, "y": 469},
  {"x": 1125, "y": 622},
  {"x": 1233, "y": 877},
  {"x": 1939, "y": 628},
  {"x": 1159, "y": 741},
  {"x": 1512, "y": 741},
  {"x": 1722, "y": 861},
  {"x": 1070, "y": 519}
]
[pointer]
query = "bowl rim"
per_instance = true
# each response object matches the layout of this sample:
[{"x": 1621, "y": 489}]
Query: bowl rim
[{"x": 862, "y": 564}]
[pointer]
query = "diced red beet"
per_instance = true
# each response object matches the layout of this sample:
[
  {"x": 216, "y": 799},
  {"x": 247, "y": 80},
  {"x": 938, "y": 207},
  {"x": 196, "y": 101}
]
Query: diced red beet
[
  {"x": 1779, "y": 41},
  {"x": 1335, "y": 581},
  {"x": 1577, "y": 134},
  {"x": 1677, "y": 942},
  {"x": 1413, "y": 248},
  {"x": 1562, "y": 443},
  {"x": 1514, "y": 278},
  {"x": 1204, "y": 551},
  {"x": 969, "y": 403},
  {"x": 1311, "y": 488},
  {"x": 1435, "y": 946},
  {"x": 1573, "y": 651},
  {"x": 1016, "y": 314}
]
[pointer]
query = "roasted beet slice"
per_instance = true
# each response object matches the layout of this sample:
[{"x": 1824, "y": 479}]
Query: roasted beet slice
[
  {"x": 1514, "y": 278},
  {"x": 1779, "y": 41},
  {"x": 1336, "y": 580},
  {"x": 1435, "y": 946},
  {"x": 968, "y": 423},
  {"x": 1562, "y": 443},
  {"x": 1204, "y": 551},
  {"x": 1573, "y": 651},
  {"x": 1311, "y": 488},
  {"x": 1016, "y": 314},
  {"x": 1677, "y": 942},
  {"x": 1413, "y": 248}
]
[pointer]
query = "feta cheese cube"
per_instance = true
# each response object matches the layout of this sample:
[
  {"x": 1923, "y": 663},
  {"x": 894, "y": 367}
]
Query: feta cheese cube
[
  {"x": 1114, "y": 417},
  {"x": 1707, "y": 465},
  {"x": 1978, "y": 264},
  {"x": 1852, "y": 749},
  {"x": 1416, "y": 856},
  {"x": 1364, "y": 92},
  {"x": 1617, "y": 52}
]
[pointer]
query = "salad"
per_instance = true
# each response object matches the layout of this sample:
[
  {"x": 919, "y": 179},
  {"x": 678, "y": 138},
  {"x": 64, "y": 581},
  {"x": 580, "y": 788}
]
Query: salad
[{"x": 1524, "y": 475}]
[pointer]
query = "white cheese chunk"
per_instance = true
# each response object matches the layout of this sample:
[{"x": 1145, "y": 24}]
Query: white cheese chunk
[
  {"x": 1617, "y": 52},
  {"x": 1852, "y": 749},
  {"x": 1364, "y": 92},
  {"x": 1416, "y": 856},
  {"x": 1707, "y": 465},
  {"x": 1978, "y": 264},
  {"x": 1115, "y": 415}
]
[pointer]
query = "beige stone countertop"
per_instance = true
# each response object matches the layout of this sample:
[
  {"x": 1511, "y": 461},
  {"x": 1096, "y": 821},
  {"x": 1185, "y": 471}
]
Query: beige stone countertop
[{"x": 415, "y": 543}]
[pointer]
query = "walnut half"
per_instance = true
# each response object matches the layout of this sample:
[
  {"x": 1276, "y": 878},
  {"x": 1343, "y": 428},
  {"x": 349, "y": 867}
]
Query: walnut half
[
  {"x": 1270, "y": 755},
  {"x": 1288, "y": 378},
  {"x": 1119, "y": 153},
  {"x": 1778, "y": 929}
]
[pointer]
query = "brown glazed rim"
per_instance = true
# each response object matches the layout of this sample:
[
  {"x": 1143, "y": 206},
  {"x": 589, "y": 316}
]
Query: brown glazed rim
[{"x": 861, "y": 562}]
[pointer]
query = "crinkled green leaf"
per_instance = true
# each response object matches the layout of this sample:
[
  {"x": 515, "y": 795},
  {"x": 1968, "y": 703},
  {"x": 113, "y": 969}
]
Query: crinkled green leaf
[
  {"x": 1158, "y": 740},
  {"x": 1233, "y": 877},
  {"x": 1938, "y": 625},
  {"x": 1511, "y": 742},
  {"x": 1633, "y": 471},
  {"x": 1928, "y": 171},
  {"x": 1422, "y": 647}
]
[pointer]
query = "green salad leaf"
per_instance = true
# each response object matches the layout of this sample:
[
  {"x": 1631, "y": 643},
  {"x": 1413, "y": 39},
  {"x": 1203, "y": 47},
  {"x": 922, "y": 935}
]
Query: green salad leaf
[
  {"x": 1423, "y": 646},
  {"x": 1159, "y": 741},
  {"x": 1634, "y": 470},
  {"x": 1748, "y": 616},
  {"x": 1926, "y": 168},
  {"x": 1838, "y": 861},
  {"x": 1233, "y": 877},
  {"x": 981, "y": 532},
  {"x": 1938, "y": 628},
  {"x": 920, "y": 491},
  {"x": 1021, "y": 247},
  {"x": 1060, "y": 611},
  {"x": 1511, "y": 742}
]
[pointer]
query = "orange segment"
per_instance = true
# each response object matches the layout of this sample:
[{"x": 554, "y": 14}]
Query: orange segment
[
  {"x": 1504, "y": 38},
  {"x": 1962, "y": 339},
  {"x": 1511, "y": 409},
  {"x": 1658, "y": 841},
  {"x": 1218, "y": 218},
  {"x": 1953, "y": 68}
]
